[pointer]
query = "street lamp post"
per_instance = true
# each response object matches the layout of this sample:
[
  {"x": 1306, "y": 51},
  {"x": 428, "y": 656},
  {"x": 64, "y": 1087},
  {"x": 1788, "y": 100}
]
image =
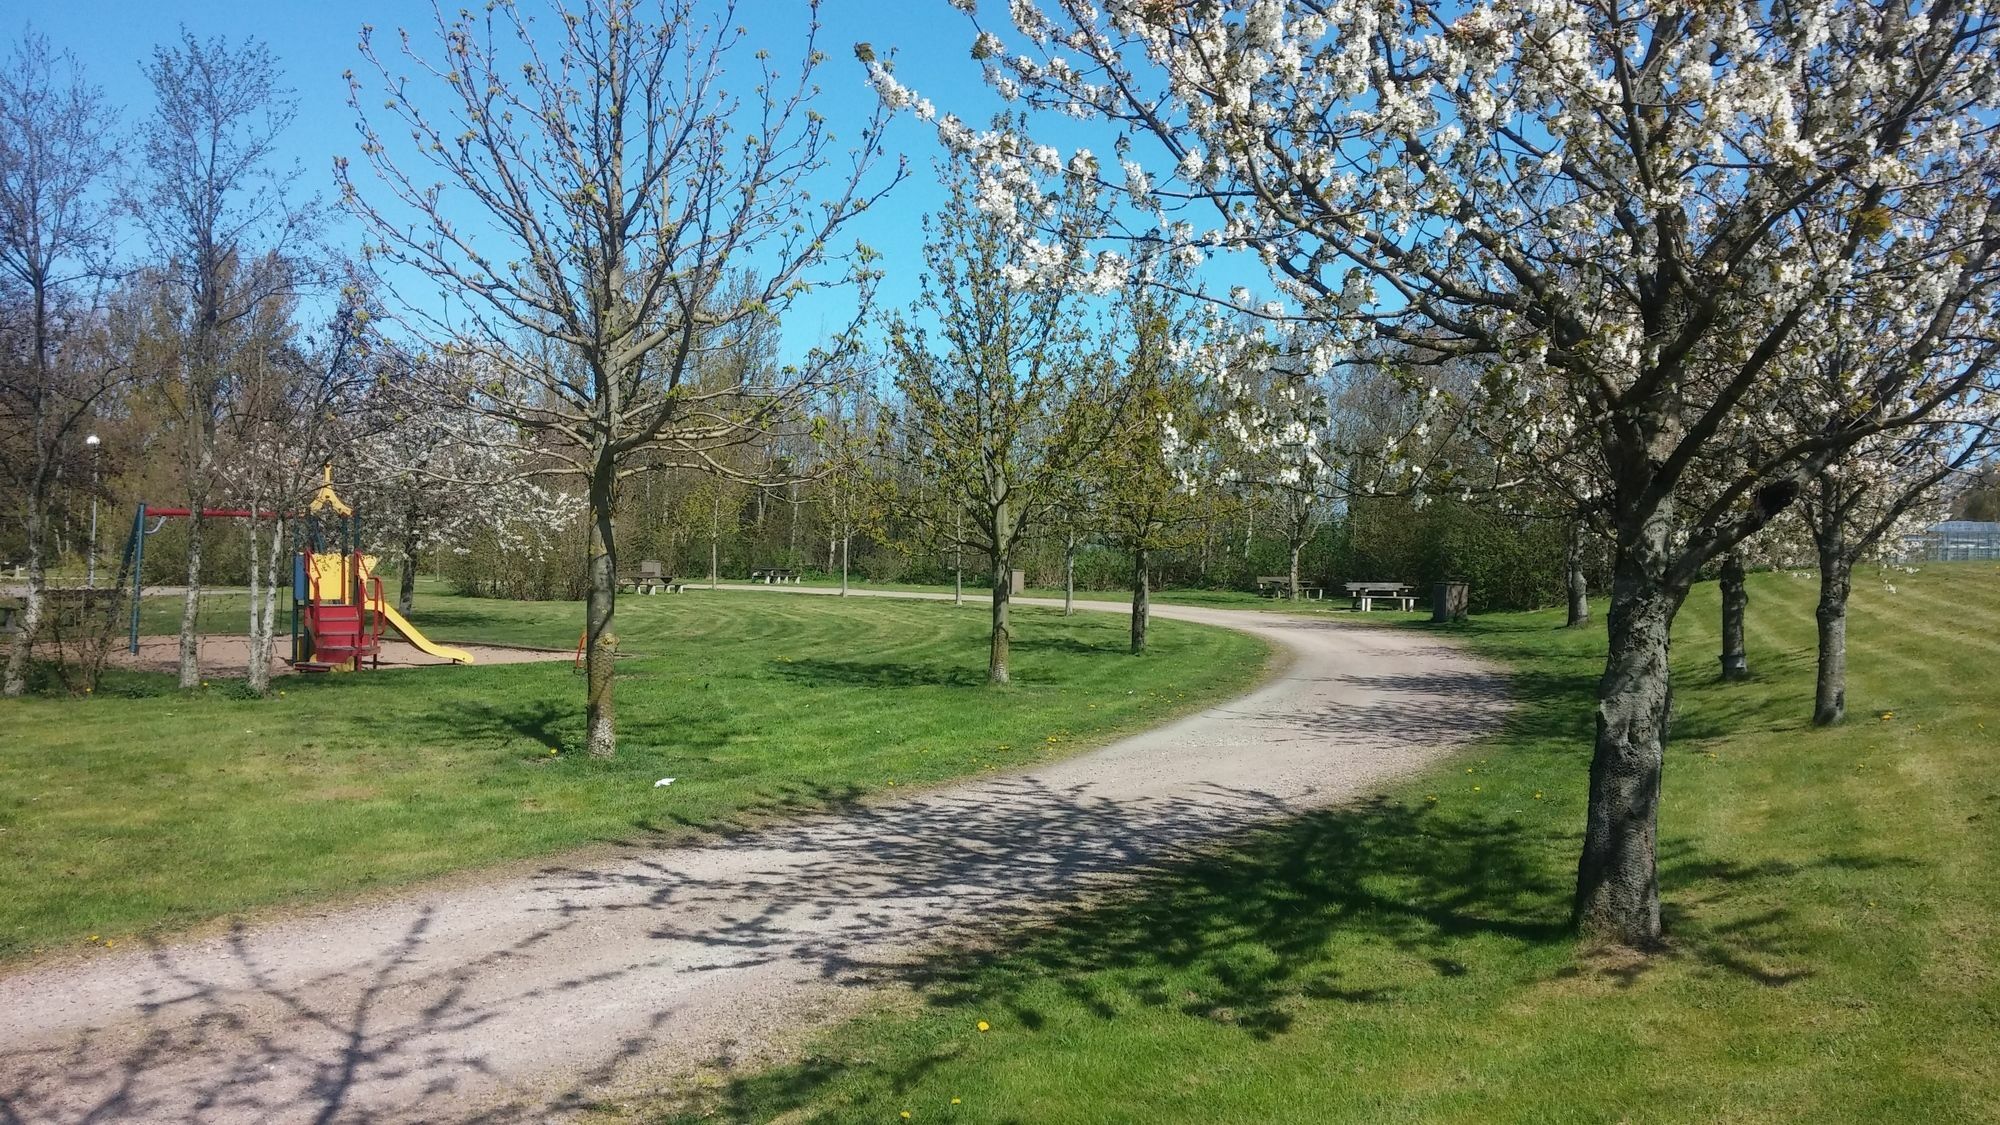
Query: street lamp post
[{"x": 90, "y": 558}]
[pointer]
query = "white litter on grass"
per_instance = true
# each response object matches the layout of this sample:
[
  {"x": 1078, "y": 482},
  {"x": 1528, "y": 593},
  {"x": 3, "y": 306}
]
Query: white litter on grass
[{"x": 665, "y": 781}]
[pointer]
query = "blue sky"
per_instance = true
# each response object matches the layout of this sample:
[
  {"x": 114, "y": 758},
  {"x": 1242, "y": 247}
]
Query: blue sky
[{"x": 315, "y": 42}]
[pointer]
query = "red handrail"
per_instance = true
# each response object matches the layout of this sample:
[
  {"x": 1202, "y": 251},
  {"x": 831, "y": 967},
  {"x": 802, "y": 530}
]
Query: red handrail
[{"x": 375, "y": 617}]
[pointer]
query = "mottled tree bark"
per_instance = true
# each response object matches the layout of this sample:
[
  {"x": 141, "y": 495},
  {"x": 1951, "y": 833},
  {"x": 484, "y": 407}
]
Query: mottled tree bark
[
  {"x": 1578, "y": 586},
  {"x": 1069, "y": 575},
  {"x": 31, "y": 611},
  {"x": 1142, "y": 591},
  {"x": 1735, "y": 602},
  {"x": 265, "y": 567},
  {"x": 406, "y": 586},
  {"x": 1836, "y": 582},
  {"x": 190, "y": 641},
  {"x": 1003, "y": 594},
  {"x": 601, "y": 641},
  {"x": 1295, "y": 571},
  {"x": 1618, "y": 892}
]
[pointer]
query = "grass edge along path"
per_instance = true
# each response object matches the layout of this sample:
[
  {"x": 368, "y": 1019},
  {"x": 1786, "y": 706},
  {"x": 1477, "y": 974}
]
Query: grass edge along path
[
  {"x": 145, "y": 812},
  {"x": 1833, "y": 925}
]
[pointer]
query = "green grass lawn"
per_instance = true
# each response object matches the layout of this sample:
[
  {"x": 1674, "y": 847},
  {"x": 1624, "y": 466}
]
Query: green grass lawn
[
  {"x": 1831, "y": 897},
  {"x": 145, "y": 810}
]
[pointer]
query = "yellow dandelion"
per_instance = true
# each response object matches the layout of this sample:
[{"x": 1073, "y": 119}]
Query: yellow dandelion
[
  {"x": 1538, "y": 794},
  {"x": 93, "y": 937},
  {"x": 1475, "y": 789},
  {"x": 984, "y": 1026},
  {"x": 108, "y": 944},
  {"x": 1432, "y": 798},
  {"x": 1887, "y": 715},
  {"x": 906, "y": 1115},
  {"x": 954, "y": 1101}
]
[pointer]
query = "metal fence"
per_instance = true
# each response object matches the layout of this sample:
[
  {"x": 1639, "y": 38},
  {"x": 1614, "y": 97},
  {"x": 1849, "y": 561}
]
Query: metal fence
[{"x": 1960, "y": 541}]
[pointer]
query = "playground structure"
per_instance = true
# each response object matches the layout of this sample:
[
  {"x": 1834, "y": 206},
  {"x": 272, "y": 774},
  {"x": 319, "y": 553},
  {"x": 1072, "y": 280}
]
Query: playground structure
[{"x": 338, "y": 612}]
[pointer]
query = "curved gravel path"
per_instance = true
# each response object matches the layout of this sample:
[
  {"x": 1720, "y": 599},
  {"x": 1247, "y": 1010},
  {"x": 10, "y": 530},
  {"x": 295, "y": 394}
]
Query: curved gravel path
[{"x": 516, "y": 1000}]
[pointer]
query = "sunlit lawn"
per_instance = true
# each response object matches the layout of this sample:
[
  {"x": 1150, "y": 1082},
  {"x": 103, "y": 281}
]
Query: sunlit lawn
[
  {"x": 142, "y": 809},
  {"x": 1831, "y": 897}
]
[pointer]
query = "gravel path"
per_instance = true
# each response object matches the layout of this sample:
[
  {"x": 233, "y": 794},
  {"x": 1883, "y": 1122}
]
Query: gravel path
[{"x": 515, "y": 1000}]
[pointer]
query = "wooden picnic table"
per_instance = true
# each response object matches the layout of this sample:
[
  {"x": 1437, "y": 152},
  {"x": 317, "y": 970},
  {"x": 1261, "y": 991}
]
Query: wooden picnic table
[
  {"x": 773, "y": 575},
  {"x": 1279, "y": 585},
  {"x": 650, "y": 577},
  {"x": 1366, "y": 594}
]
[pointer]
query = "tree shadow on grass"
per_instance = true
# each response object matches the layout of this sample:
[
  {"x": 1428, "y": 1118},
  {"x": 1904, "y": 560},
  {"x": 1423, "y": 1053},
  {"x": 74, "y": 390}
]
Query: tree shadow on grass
[
  {"x": 1249, "y": 934},
  {"x": 816, "y": 672},
  {"x": 820, "y": 672},
  {"x": 1243, "y": 936}
]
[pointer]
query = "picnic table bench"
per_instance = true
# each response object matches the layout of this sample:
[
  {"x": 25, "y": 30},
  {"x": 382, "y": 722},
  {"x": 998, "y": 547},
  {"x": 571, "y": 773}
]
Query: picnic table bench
[
  {"x": 773, "y": 576},
  {"x": 651, "y": 577},
  {"x": 1279, "y": 585},
  {"x": 1366, "y": 594}
]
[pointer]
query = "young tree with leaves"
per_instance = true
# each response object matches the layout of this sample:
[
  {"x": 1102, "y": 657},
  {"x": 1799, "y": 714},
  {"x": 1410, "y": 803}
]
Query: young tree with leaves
[
  {"x": 1876, "y": 493},
  {"x": 992, "y": 364},
  {"x": 1149, "y": 497}
]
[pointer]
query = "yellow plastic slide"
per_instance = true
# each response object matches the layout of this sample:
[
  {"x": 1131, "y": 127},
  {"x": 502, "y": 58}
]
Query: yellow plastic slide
[
  {"x": 398, "y": 623},
  {"x": 396, "y": 620}
]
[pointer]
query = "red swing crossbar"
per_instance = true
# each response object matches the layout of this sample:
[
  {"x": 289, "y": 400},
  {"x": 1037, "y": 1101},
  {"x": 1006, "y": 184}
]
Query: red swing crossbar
[{"x": 213, "y": 513}]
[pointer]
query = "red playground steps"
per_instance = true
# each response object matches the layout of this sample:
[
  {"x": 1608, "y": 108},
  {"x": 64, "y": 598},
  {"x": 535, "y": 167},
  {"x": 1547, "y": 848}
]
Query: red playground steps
[{"x": 340, "y": 633}]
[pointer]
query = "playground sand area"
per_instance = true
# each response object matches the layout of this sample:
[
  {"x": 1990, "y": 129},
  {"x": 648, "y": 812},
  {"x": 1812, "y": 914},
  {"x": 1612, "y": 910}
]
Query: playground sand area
[{"x": 225, "y": 654}]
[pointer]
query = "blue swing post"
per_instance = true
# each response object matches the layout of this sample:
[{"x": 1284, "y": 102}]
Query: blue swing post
[{"x": 137, "y": 551}]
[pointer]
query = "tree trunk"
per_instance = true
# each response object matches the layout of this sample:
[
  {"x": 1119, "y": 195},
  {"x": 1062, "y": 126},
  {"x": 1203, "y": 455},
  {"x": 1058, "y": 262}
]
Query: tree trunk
[
  {"x": 1069, "y": 575},
  {"x": 601, "y": 642},
  {"x": 958, "y": 562},
  {"x": 1578, "y": 585},
  {"x": 792, "y": 532},
  {"x": 264, "y": 569},
  {"x": 191, "y": 603},
  {"x": 31, "y": 612},
  {"x": 714, "y": 539},
  {"x": 1836, "y": 581},
  {"x": 1735, "y": 601},
  {"x": 1296, "y": 547},
  {"x": 844, "y": 540},
  {"x": 256, "y": 580},
  {"x": 1142, "y": 608},
  {"x": 1003, "y": 593},
  {"x": 1617, "y": 880},
  {"x": 406, "y": 587}
]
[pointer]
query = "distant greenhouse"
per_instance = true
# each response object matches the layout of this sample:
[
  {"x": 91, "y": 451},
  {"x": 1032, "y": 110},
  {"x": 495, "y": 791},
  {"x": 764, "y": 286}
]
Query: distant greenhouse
[{"x": 1960, "y": 540}]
